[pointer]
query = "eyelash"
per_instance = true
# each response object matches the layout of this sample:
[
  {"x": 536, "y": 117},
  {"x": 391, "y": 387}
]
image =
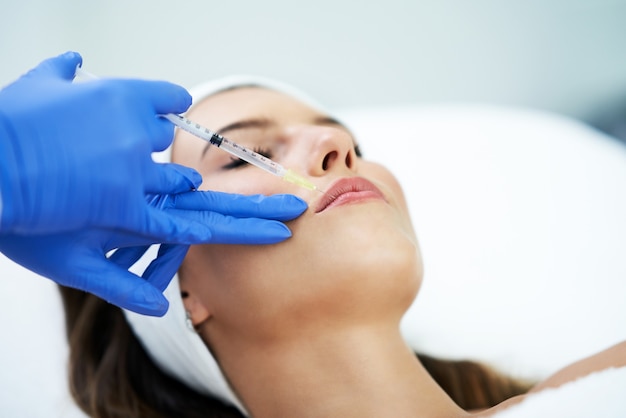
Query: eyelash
[{"x": 238, "y": 162}]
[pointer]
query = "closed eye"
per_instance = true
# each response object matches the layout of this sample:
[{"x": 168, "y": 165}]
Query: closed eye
[{"x": 238, "y": 162}]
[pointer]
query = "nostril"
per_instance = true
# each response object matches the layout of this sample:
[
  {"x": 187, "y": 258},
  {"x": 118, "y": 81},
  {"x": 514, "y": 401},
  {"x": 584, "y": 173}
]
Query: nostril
[
  {"x": 328, "y": 159},
  {"x": 349, "y": 160}
]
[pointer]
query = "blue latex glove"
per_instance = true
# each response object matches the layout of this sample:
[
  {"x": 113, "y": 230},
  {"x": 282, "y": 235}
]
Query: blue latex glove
[
  {"x": 78, "y": 258},
  {"x": 75, "y": 169},
  {"x": 78, "y": 154}
]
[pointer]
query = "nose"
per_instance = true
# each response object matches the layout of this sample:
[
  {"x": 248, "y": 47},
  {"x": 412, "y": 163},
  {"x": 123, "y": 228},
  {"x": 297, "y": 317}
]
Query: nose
[{"x": 329, "y": 149}]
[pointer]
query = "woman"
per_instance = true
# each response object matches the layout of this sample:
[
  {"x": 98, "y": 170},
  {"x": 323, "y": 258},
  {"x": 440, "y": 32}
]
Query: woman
[{"x": 309, "y": 327}]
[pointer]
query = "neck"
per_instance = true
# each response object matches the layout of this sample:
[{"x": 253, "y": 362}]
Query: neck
[{"x": 367, "y": 372}]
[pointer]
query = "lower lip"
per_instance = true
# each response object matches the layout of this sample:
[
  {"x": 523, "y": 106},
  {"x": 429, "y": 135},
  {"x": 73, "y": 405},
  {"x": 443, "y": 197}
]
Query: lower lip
[{"x": 354, "y": 197}]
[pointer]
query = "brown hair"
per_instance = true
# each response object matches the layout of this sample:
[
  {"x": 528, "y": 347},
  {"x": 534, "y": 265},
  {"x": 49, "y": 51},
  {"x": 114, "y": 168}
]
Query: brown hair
[{"x": 111, "y": 375}]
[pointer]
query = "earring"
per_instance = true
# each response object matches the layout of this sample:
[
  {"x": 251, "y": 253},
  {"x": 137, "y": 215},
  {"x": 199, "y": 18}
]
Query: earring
[{"x": 188, "y": 321}]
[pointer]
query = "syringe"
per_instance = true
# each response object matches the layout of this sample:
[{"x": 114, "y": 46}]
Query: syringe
[
  {"x": 237, "y": 150},
  {"x": 229, "y": 146}
]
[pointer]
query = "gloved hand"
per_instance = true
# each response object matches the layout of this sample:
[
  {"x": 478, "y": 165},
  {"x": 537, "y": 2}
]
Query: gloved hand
[
  {"x": 78, "y": 154},
  {"x": 78, "y": 258}
]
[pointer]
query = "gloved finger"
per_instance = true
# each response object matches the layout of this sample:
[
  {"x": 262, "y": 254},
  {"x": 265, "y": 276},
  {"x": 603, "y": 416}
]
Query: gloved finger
[
  {"x": 160, "y": 132},
  {"x": 164, "y": 97},
  {"x": 171, "y": 178},
  {"x": 231, "y": 230},
  {"x": 158, "y": 201},
  {"x": 126, "y": 257},
  {"x": 161, "y": 270},
  {"x": 118, "y": 286},
  {"x": 281, "y": 207},
  {"x": 153, "y": 227},
  {"x": 63, "y": 66},
  {"x": 159, "y": 226},
  {"x": 204, "y": 227}
]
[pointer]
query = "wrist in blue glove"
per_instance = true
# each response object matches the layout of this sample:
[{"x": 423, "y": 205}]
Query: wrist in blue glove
[{"x": 78, "y": 154}]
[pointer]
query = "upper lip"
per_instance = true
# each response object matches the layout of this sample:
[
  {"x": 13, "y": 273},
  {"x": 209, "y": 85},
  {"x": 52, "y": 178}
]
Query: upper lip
[{"x": 343, "y": 186}]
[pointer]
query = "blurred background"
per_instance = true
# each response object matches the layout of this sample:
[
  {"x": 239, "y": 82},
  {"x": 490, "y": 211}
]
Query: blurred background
[{"x": 564, "y": 56}]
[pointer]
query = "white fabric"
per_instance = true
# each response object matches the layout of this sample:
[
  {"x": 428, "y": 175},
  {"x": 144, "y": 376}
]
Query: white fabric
[{"x": 600, "y": 394}]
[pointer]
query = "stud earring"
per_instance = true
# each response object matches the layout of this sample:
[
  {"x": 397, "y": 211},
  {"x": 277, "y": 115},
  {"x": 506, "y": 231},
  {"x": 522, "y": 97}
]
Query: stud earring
[{"x": 189, "y": 322}]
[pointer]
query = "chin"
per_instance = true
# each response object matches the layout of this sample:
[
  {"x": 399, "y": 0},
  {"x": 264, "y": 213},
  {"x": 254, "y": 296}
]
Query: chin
[
  {"x": 371, "y": 261},
  {"x": 397, "y": 276}
]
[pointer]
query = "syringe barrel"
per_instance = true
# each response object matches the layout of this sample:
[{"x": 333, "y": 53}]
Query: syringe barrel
[
  {"x": 219, "y": 141},
  {"x": 194, "y": 128}
]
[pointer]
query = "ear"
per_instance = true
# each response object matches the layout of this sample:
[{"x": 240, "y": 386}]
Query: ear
[{"x": 197, "y": 310}]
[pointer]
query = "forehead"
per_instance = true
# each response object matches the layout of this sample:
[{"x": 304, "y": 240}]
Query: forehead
[{"x": 233, "y": 105}]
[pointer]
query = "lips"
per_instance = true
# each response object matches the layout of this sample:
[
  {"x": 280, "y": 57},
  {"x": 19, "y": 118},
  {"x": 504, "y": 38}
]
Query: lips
[{"x": 348, "y": 190}]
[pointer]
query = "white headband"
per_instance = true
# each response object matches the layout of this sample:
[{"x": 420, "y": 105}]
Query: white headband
[{"x": 177, "y": 350}]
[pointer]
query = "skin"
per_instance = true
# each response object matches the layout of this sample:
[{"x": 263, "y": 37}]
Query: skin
[{"x": 317, "y": 316}]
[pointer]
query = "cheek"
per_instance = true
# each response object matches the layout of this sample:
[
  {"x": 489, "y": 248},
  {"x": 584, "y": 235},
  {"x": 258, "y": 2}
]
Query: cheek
[
  {"x": 355, "y": 265},
  {"x": 250, "y": 290}
]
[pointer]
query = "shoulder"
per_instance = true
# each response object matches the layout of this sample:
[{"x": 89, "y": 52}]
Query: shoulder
[
  {"x": 614, "y": 356},
  {"x": 588, "y": 378}
]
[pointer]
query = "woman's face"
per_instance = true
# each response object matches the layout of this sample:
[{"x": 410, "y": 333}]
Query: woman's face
[{"x": 353, "y": 260}]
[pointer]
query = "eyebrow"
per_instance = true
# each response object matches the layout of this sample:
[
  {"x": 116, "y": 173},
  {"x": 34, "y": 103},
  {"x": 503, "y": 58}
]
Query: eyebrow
[
  {"x": 264, "y": 123},
  {"x": 246, "y": 124},
  {"x": 327, "y": 120}
]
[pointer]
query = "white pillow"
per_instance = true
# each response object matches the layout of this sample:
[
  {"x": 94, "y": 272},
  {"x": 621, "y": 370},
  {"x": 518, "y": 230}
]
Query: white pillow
[
  {"x": 33, "y": 354},
  {"x": 520, "y": 217}
]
